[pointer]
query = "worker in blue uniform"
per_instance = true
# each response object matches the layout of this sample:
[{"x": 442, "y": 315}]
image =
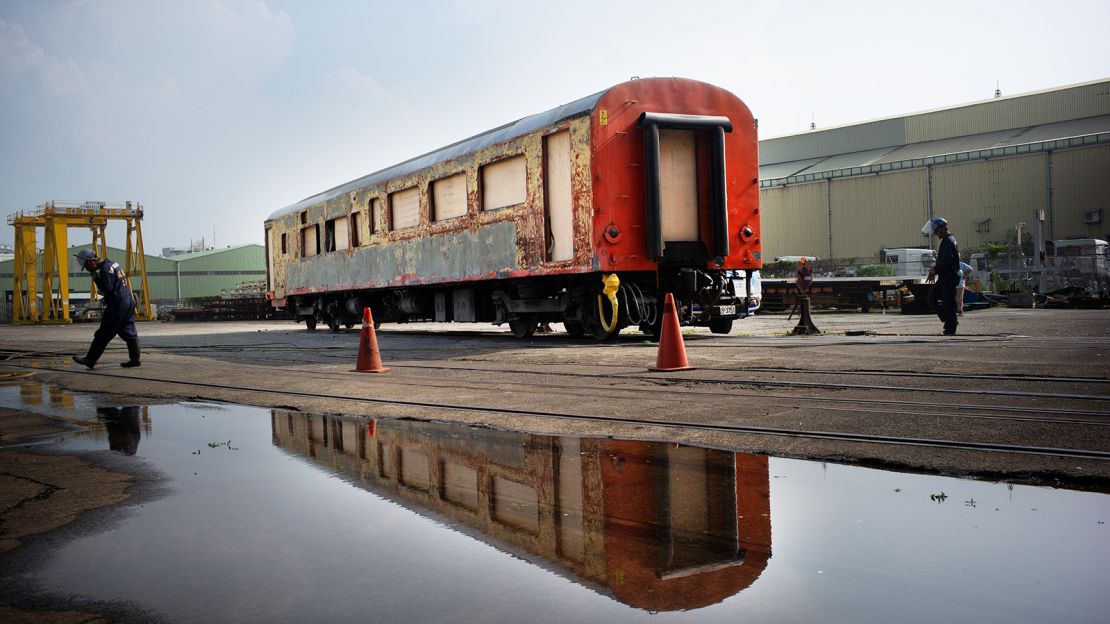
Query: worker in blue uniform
[
  {"x": 119, "y": 309},
  {"x": 946, "y": 272}
]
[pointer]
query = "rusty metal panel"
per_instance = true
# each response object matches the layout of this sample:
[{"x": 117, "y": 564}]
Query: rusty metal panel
[{"x": 449, "y": 257}]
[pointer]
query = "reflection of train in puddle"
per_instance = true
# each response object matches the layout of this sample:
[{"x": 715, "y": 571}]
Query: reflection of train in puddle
[{"x": 657, "y": 526}]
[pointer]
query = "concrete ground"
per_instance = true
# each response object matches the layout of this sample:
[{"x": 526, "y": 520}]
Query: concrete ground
[{"x": 1027, "y": 378}]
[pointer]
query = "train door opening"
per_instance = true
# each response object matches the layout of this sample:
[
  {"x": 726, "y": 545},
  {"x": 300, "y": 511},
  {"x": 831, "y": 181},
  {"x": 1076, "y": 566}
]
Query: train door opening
[
  {"x": 678, "y": 186},
  {"x": 558, "y": 202},
  {"x": 672, "y": 173}
]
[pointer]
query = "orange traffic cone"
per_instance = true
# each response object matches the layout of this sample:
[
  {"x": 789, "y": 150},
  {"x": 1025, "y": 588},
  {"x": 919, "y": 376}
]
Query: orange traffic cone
[
  {"x": 369, "y": 359},
  {"x": 672, "y": 351}
]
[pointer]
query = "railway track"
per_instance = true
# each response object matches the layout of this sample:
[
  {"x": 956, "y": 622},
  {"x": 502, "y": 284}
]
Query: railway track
[
  {"x": 692, "y": 388},
  {"x": 669, "y": 423},
  {"x": 750, "y": 381}
]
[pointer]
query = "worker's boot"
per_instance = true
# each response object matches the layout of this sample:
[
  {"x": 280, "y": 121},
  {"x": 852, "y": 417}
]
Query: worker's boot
[
  {"x": 96, "y": 349},
  {"x": 132, "y": 354}
]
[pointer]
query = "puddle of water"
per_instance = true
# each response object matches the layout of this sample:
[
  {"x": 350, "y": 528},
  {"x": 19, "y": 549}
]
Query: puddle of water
[{"x": 283, "y": 516}]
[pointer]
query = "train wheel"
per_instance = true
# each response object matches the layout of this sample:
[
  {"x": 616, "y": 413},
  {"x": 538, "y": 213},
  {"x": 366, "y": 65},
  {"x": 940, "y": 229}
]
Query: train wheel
[
  {"x": 720, "y": 326},
  {"x": 594, "y": 328},
  {"x": 522, "y": 328},
  {"x": 574, "y": 328},
  {"x": 652, "y": 330},
  {"x": 333, "y": 324},
  {"x": 310, "y": 323}
]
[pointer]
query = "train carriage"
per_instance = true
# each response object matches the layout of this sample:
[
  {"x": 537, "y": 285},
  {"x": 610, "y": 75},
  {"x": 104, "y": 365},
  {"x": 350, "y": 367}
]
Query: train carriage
[{"x": 586, "y": 215}]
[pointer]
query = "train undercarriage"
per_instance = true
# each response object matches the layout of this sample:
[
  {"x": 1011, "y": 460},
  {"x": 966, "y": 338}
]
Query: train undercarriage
[{"x": 594, "y": 304}]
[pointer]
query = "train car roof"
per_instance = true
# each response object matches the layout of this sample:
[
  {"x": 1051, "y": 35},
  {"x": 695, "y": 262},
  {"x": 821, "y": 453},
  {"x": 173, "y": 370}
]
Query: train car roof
[{"x": 495, "y": 136}]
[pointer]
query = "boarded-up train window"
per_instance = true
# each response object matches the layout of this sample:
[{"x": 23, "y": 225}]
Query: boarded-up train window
[
  {"x": 504, "y": 183},
  {"x": 404, "y": 209},
  {"x": 377, "y": 219},
  {"x": 355, "y": 241},
  {"x": 310, "y": 240},
  {"x": 449, "y": 197},
  {"x": 284, "y": 248},
  {"x": 335, "y": 234}
]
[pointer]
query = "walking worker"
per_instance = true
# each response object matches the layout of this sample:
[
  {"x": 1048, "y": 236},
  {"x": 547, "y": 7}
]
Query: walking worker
[
  {"x": 803, "y": 277},
  {"x": 965, "y": 271},
  {"x": 946, "y": 272},
  {"x": 119, "y": 309}
]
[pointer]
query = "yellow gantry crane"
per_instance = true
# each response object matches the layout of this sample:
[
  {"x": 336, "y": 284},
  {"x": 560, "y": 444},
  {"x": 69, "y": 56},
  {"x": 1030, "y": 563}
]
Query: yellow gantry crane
[{"x": 56, "y": 219}]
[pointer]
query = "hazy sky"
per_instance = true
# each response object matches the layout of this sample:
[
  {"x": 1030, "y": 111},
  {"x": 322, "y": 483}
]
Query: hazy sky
[{"x": 215, "y": 113}]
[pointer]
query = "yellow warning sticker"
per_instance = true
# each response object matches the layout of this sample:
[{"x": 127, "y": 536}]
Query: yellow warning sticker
[{"x": 603, "y": 117}]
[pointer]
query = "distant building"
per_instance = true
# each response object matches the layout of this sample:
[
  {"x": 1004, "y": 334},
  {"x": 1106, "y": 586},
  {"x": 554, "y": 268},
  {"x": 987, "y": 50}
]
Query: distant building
[
  {"x": 193, "y": 247},
  {"x": 200, "y": 275},
  {"x": 851, "y": 190}
]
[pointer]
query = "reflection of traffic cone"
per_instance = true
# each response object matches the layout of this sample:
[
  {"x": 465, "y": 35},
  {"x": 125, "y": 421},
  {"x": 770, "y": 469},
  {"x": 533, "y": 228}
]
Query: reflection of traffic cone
[
  {"x": 369, "y": 359},
  {"x": 672, "y": 351},
  {"x": 372, "y": 427}
]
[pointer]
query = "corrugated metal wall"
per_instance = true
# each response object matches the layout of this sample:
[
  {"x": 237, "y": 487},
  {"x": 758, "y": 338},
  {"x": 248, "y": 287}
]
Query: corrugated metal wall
[
  {"x": 252, "y": 257},
  {"x": 1080, "y": 184},
  {"x": 876, "y": 211},
  {"x": 1007, "y": 191},
  {"x": 794, "y": 221}
]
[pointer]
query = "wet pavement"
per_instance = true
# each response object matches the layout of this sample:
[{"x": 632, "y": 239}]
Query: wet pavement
[{"x": 277, "y": 515}]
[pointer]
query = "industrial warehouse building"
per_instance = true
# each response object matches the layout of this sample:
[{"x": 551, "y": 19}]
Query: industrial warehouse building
[
  {"x": 203, "y": 275},
  {"x": 850, "y": 191}
]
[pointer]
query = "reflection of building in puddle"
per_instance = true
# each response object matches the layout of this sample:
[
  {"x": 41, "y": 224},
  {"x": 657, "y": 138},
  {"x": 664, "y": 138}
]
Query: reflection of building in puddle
[
  {"x": 30, "y": 393},
  {"x": 657, "y": 526},
  {"x": 60, "y": 397}
]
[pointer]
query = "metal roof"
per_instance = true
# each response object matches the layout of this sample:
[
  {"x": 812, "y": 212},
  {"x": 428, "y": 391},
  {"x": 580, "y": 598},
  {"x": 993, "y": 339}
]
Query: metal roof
[
  {"x": 932, "y": 149},
  {"x": 495, "y": 136},
  {"x": 782, "y": 170},
  {"x": 211, "y": 252}
]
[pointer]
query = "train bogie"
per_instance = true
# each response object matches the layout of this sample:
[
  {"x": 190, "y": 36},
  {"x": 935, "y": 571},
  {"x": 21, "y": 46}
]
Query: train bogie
[{"x": 584, "y": 215}]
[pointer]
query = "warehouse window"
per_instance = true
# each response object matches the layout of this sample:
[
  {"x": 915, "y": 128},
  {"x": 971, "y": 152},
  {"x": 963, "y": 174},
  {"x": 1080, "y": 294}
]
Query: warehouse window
[
  {"x": 449, "y": 197},
  {"x": 404, "y": 209},
  {"x": 355, "y": 230},
  {"x": 504, "y": 183},
  {"x": 983, "y": 226}
]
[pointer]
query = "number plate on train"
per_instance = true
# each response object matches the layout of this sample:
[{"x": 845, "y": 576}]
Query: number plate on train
[{"x": 726, "y": 310}]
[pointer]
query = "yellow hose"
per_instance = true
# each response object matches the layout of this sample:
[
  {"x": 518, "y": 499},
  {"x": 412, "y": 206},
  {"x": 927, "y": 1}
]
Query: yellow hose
[
  {"x": 612, "y": 284},
  {"x": 13, "y": 375}
]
